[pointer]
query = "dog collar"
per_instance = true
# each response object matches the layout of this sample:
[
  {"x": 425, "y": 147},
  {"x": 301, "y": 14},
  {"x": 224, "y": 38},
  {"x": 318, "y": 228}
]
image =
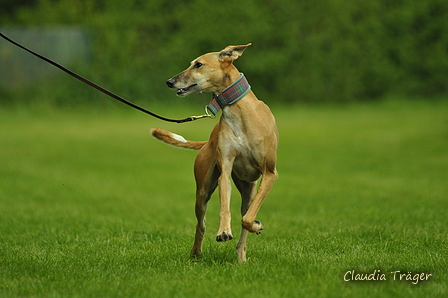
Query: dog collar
[{"x": 230, "y": 95}]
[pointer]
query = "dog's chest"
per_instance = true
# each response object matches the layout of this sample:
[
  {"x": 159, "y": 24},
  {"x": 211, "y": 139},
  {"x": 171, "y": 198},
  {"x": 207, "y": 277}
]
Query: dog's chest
[
  {"x": 235, "y": 134},
  {"x": 240, "y": 143}
]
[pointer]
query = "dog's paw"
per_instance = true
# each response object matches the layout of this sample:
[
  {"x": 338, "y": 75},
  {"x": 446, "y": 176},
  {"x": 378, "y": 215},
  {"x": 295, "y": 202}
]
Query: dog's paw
[
  {"x": 224, "y": 236},
  {"x": 195, "y": 257},
  {"x": 260, "y": 226},
  {"x": 196, "y": 252},
  {"x": 255, "y": 227}
]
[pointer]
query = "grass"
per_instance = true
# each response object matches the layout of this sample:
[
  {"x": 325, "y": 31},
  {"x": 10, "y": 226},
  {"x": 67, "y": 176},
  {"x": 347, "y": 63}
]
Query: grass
[{"x": 92, "y": 206}]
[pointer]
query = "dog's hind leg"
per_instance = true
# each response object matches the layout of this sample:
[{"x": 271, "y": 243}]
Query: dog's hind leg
[
  {"x": 247, "y": 191},
  {"x": 206, "y": 175}
]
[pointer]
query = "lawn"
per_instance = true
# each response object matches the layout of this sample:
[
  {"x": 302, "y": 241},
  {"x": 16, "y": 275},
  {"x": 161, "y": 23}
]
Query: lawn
[{"x": 92, "y": 206}]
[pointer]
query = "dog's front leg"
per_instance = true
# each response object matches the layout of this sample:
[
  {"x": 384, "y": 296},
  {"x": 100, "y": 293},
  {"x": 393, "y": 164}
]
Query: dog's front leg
[
  {"x": 225, "y": 190},
  {"x": 248, "y": 222}
]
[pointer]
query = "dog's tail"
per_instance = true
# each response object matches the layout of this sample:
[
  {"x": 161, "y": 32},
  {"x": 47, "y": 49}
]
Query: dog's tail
[{"x": 175, "y": 140}]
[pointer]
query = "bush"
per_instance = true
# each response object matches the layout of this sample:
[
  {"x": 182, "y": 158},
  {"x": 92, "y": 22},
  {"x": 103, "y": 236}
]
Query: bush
[{"x": 320, "y": 51}]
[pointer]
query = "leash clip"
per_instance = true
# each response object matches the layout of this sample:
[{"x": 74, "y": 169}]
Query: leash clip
[{"x": 206, "y": 115}]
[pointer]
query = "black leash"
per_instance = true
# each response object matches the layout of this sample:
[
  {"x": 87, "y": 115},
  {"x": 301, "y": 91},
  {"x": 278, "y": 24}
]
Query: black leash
[{"x": 92, "y": 84}]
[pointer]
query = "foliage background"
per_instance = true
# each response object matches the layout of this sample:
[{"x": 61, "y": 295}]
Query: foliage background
[{"x": 309, "y": 51}]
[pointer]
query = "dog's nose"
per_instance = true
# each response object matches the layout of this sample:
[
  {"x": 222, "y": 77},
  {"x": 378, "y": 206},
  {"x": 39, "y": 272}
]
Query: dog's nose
[{"x": 170, "y": 83}]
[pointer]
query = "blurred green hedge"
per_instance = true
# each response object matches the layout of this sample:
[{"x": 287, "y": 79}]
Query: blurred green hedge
[{"x": 309, "y": 51}]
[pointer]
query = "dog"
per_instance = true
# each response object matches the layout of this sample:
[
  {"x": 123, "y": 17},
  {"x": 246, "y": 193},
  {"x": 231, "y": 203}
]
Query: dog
[{"x": 242, "y": 145}]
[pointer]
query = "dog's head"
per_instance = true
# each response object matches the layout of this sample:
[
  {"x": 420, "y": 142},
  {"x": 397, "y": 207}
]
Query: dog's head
[{"x": 208, "y": 73}]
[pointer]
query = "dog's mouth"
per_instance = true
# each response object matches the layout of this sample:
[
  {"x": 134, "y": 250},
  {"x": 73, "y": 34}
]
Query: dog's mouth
[{"x": 183, "y": 91}]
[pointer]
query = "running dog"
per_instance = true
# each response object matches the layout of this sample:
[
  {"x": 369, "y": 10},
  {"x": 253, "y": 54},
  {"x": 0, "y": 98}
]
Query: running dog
[{"x": 242, "y": 145}]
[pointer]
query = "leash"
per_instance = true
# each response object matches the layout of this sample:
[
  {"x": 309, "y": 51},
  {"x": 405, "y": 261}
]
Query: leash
[{"x": 105, "y": 91}]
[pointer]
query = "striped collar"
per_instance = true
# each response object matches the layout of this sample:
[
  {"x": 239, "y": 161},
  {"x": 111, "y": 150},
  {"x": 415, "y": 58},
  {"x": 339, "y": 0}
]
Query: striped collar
[{"x": 230, "y": 95}]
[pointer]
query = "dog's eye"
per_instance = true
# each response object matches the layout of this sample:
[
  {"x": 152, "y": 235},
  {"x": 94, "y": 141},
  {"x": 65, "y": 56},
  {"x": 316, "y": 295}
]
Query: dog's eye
[{"x": 197, "y": 64}]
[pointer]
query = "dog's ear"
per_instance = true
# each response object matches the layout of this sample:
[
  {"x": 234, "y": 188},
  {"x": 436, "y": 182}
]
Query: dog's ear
[{"x": 232, "y": 52}]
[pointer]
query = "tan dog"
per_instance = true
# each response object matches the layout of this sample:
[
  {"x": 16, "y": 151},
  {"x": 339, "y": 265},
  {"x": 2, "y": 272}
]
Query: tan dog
[{"x": 242, "y": 145}]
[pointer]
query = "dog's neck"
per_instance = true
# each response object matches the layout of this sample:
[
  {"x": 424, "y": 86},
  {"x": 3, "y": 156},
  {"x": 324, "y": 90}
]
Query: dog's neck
[{"x": 230, "y": 95}]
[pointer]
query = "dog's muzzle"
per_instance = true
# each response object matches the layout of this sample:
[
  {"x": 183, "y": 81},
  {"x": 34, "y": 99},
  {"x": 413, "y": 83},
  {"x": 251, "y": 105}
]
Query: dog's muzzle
[
  {"x": 180, "y": 91},
  {"x": 171, "y": 82}
]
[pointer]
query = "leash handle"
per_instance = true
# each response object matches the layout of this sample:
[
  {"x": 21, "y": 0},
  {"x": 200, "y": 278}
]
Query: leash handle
[{"x": 96, "y": 86}]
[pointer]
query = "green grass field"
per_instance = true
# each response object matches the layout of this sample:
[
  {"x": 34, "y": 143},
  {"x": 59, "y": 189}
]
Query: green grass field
[{"x": 92, "y": 206}]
